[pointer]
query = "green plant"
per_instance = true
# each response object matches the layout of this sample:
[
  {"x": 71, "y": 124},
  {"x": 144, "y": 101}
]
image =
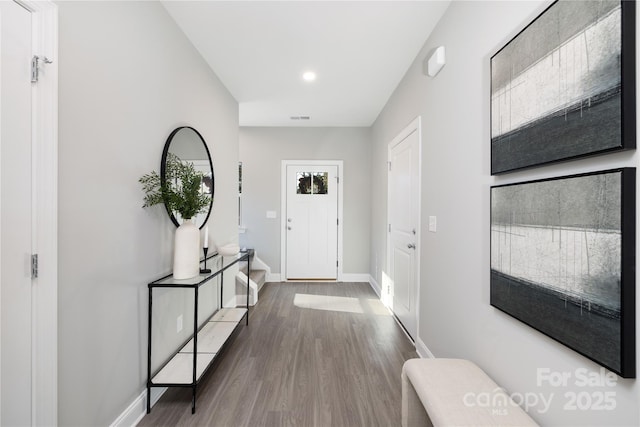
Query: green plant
[{"x": 180, "y": 191}]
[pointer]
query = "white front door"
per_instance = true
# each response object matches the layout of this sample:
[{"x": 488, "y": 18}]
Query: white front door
[
  {"x": 404, "y": 205},
  {"x": 311, "y": 222},
  {"x": 15, "y": 215}
]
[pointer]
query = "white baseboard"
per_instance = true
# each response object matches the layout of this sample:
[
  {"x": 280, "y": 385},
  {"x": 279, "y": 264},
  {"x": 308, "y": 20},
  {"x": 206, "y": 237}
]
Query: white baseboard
[
  {"x": 346, "y": 277},
  {"x": 355, "y": 277},
  {"x": 273, "y": 277},
  {"x": 422, "y": 350},
  {"x": 375, "y": 286},
  {"x": 138, "y": 408}
]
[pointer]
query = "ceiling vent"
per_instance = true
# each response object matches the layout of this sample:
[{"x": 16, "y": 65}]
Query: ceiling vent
[{"x": 300, "y": 117}]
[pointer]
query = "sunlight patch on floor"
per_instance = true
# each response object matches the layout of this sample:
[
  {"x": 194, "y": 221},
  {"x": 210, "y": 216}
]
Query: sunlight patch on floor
[
  {"x": 387, "y": 290},
  {"x": 375, "y": 306},
  {"x": 342, "y": 304}
]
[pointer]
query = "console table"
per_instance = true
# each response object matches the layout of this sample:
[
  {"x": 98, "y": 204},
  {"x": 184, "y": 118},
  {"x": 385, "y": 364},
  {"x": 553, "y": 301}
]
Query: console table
[{"x": 190, "y": 362}]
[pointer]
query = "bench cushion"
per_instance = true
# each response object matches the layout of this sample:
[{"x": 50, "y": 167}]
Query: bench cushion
[{"x": 456, "y": 392}]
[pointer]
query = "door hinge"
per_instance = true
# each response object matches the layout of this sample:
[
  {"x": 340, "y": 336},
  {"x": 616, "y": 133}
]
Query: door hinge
[
  {"x": 389, "y": 228},
  {"x": 35, "y": 66},
  {"x": 338, "y": 221},
  {"x": 336, "y": 263},
  {"x": 34, "y": 266},
  {"x": 338, "y": 179},
  {"x": 389, "y": 166}
]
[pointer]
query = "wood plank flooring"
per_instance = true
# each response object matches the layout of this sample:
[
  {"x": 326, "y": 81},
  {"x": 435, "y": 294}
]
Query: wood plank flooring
[{"x": 304, "y": 360}]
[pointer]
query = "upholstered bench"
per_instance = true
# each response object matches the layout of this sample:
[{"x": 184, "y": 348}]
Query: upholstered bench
[{"x": 455, "y": 392}]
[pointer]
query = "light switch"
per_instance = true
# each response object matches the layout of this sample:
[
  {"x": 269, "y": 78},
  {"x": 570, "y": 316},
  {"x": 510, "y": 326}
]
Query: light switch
[
  {"x": 432, "y": 224},
  {"x": 271, "y": 214}
]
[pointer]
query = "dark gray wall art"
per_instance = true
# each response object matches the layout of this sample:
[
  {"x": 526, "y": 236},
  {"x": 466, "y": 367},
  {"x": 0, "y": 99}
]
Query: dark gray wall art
[
  {"x": 564, "y": 87},
  {"x": 563, "y": 261}
]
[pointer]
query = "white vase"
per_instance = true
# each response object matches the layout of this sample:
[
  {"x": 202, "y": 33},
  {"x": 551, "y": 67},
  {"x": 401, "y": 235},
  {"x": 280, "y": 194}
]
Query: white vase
[{"x": 186, "y": 255}]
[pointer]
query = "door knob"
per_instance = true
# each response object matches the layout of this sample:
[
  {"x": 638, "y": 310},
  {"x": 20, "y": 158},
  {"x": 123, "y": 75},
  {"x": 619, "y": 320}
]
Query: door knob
[
  {"x": 288, "y": 228},
  {"x": 289, "y": 220},
  {"x": 411, "y": 246}
]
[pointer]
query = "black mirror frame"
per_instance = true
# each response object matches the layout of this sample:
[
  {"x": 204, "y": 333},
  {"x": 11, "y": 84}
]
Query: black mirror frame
[{"x": 163, "y": 171}]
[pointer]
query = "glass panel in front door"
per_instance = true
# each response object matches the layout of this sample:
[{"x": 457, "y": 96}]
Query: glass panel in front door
[
  {"x": 304, "y": 182},
  {"x": 320, "y": 182}
]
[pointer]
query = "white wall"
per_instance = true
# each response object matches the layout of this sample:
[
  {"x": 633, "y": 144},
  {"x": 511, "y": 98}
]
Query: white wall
[
  {"x": 128, "y": 77},
  {"x": 456, "y": 319},
  {"x": 262, "y": 151}
]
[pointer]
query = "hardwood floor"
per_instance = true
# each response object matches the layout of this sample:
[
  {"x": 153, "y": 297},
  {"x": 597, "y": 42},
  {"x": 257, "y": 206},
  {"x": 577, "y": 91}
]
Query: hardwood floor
[{"x": 314, "y": 354}]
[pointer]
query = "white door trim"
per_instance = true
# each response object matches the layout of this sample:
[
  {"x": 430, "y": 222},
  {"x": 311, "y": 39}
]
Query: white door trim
[
  {"x": 414, "y": 126},
  {"x": 283, "y": 209},
  {"x": 45, "y": 226},
  {"x": 0, "y": 246}
]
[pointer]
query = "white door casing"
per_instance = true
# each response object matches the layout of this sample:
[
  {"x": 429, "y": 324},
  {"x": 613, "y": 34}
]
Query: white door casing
[
  {"x": 16, "y": 216},
  {"x": 311, "y": 223},
  {"x": 38, "y": 103},
  {"x": 403, "y": 249}
]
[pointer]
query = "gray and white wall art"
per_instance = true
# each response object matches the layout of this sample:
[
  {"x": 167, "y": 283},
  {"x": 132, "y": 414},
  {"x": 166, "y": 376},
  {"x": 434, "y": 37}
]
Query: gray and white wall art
[
  {"x": 564, "y": 87},
  {"x": 563, "y": 260}
]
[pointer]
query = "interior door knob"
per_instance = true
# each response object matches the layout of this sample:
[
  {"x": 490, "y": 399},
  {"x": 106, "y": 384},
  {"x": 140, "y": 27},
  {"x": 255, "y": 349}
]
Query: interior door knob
[
  {"x": 411, "y": 246},
  {"x": 289, "y": 220},
  {"x": 288, "y": 228}
]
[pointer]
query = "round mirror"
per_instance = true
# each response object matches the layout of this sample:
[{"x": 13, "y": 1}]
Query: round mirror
[{"x": 188, "y": 146}]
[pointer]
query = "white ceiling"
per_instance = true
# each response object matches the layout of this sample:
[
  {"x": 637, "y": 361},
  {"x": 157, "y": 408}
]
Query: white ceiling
[{"x": 360, "y": 50}]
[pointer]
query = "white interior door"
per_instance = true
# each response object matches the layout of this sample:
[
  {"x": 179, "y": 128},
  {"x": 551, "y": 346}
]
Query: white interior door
[
  {"x": 312, "y": 221},
  {"x": 15, "y": 215},
  {"x": 404, "y": 205}
]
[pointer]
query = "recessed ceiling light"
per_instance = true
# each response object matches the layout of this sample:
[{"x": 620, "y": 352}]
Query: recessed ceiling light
[{"x": 309, "y": 76}]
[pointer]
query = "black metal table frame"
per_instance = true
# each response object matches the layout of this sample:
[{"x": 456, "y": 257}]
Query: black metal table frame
[{"x": 246, "y": 256}]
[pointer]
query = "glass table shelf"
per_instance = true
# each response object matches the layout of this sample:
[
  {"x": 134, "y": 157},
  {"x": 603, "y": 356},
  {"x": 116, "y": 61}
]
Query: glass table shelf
[{"x": 208, "y": 340}]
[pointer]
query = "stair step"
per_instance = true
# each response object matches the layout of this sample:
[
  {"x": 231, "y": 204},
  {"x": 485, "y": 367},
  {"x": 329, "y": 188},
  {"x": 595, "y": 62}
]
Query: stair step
[
  {"x": 258, "y": 276},
  {"x": 258, "y": 279}
]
